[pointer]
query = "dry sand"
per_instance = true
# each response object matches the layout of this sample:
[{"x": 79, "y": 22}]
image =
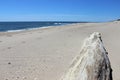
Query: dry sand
[{"x": 46, "y": 54}]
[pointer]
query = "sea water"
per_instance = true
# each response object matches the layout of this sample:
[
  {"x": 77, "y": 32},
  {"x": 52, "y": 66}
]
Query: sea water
[{"x": 18, "y": 26}]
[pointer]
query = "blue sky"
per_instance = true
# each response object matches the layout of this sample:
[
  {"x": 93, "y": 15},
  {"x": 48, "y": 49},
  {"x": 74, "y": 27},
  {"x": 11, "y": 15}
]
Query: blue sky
[{"x": 59, "y": 10}]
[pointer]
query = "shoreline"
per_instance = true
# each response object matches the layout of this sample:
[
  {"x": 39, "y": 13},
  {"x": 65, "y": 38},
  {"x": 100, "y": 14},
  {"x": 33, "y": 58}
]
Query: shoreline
[
  {"x": 34, "y": 23},
  {"x": 37, "y": 29}
]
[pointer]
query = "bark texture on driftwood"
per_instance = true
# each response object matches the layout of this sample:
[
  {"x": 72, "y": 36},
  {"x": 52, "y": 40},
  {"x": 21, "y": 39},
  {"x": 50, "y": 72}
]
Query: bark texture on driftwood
[{"x": 92, "y": 63}]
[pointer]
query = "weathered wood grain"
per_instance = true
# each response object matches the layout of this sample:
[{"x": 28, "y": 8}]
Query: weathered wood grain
[{"x": 92, "y": 63}]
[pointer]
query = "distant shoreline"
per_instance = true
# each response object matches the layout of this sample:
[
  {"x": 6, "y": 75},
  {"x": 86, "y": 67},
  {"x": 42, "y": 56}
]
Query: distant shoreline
[{"x": 22, "y": 26}]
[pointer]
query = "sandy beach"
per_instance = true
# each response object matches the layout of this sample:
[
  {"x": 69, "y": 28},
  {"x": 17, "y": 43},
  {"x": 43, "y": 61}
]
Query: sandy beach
[{"x": 46, "y": 54}]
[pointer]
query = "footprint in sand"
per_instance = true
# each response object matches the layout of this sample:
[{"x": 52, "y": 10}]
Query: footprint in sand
[
  {"x": 9, "y": 35},
  {"x": 9, "y": 63},
  {"x": 23, "y": 41},
  {"x": 39, "y": 38},
  {"x": 9, "y": 47},
  {"x": 40, "y": 32}
]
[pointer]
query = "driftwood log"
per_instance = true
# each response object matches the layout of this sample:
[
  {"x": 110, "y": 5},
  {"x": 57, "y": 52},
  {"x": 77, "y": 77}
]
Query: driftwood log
[{"x": 92, "y": 63}]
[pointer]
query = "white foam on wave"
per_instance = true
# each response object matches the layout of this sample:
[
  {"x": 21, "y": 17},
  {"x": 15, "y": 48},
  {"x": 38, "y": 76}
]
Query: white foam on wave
[
  {"x": 26, "y": 29},
  {"x": 57, "y": 23}
]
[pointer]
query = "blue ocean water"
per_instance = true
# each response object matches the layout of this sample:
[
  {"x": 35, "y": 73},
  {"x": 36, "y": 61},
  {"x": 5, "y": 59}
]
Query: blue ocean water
[{"x": 15, "y": 26}]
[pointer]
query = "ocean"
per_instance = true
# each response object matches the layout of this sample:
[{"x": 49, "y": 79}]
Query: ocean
[{"x": 19, "y": 26}]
